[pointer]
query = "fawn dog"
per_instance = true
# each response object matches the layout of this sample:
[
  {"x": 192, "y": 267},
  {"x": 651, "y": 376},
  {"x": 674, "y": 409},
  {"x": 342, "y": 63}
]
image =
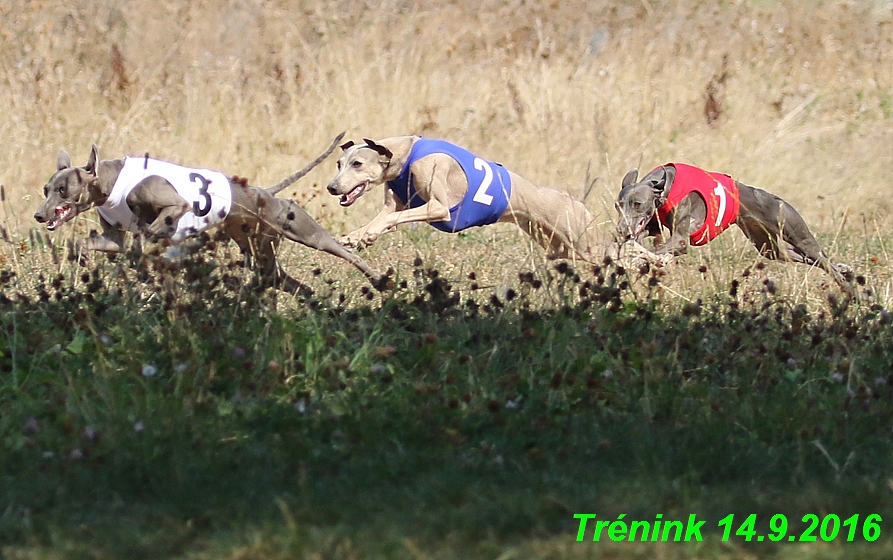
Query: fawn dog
[{"x": 447, "y": 186}]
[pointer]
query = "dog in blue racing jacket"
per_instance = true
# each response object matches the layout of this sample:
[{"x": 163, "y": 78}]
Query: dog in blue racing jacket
[{"x": 447, "y": 186}]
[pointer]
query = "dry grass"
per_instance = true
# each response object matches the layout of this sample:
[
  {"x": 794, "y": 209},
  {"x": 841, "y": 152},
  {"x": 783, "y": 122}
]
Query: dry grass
[{"x": 791, "y": 96}]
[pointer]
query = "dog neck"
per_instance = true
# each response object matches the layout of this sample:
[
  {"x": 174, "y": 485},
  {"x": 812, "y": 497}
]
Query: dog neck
[
  {"x": 400, "y": 147},
  {"x": 106, "y": 174}
]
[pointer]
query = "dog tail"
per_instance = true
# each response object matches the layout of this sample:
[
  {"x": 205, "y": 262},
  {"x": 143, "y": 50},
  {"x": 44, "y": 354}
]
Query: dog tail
[{"x": 288, "y": 181}]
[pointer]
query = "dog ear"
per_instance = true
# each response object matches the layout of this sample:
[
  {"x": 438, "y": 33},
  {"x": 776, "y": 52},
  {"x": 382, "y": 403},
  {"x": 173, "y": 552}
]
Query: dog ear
[
  {"x": 92, "y": 161},
  {"x": 629, "y": 178},
  {"x": 63, "y": 160},
  {"x": 378, "y": 148},
  {"x": 658, "y": 186},
  {"x": 346, "y": 145}
]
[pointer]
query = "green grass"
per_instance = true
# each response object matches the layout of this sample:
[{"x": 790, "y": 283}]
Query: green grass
[{"x": 150, "y": 410}]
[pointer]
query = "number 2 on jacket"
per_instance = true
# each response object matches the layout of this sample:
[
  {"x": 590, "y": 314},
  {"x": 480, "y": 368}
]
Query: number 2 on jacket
[{"x": 481, "y": 194}]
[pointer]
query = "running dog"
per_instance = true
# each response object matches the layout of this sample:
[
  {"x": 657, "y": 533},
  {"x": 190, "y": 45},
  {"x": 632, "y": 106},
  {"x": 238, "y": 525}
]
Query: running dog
[
  {"x": 697, "y": 205},
  {"x": 447, "y": 186},
  {"x": 148, "y": 196}
]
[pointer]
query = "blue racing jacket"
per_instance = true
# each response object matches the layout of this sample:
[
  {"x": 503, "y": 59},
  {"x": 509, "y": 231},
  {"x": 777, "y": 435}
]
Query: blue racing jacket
[{"x": 489, "y": 186}]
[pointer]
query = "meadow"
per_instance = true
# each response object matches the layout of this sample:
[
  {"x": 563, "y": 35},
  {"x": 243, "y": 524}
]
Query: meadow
[{"x": 151, "y": 409}]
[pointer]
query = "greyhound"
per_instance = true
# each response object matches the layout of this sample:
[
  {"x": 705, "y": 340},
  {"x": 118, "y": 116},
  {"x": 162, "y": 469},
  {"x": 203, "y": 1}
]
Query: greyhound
[
  {"x": 696, "y": 206},
  {"x": 154, "y": 197},
  {"x": 447, "y": 186}
]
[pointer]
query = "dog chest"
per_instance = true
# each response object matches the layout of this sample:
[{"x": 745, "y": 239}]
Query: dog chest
[
  {"x": 489, "y": 186},
  {"x": 208, "y": 193}
]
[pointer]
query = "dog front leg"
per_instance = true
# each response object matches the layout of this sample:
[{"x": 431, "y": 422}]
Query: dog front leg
[
  {"x": 104, "y": 243},
  {"x": 155, "y": 196},
  {"x": 686, "y": 218},
  {"x": 675, "y": 245},
  {"x": 433, "y": 211},
  {"x": 111, "y": 240},
  {"x": 366, "y": 235},
  {"x": 435, "y": 190},
  {"x": 358, "y": 238}
]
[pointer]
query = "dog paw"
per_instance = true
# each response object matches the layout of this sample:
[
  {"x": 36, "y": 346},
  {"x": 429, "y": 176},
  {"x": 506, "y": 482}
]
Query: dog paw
[
  {"x": 383, "y": 283},
  {"x": 635, "y": 253},
  {"x": 77, "y": 253},
  {"x": 349, "y": 241},
  {"x": 155, "y": 232},
  {"x": 358, "y": 240},
  {"x": 367, "y": 240},
  {"x": 845, "y": 270},
  {"x": 83, "y": 259}
]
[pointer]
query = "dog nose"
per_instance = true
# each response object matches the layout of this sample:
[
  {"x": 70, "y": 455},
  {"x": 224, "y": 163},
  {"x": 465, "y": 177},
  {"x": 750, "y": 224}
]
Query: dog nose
[
  {"x": 39, "y": 217},
  {"x": 332, "y": 188}
]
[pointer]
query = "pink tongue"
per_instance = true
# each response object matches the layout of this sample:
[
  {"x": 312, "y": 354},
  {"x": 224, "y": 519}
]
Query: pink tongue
[{"x": 352, "y": 196}]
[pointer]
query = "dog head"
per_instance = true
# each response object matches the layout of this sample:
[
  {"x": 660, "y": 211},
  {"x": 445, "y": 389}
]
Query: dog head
[
  {"x": 361, "y": 167},
  {"x": 70, "y": 191},
  {"x": 638, "y": 202}
]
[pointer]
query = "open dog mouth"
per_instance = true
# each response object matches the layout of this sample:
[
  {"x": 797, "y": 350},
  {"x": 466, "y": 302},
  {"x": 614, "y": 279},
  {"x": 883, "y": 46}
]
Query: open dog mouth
[
  {"x": 633, "y": 229},
  {"x": 354, "y": 194},
  {"x": 62, "y": 214}
]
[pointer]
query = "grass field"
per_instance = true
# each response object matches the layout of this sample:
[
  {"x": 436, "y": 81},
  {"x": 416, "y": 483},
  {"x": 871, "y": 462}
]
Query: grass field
[{"x": 158, "y": 410}]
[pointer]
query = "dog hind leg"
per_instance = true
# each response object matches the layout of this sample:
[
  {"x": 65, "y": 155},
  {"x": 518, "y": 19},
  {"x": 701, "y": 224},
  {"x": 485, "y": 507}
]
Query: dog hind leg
[
  {"x": 556, "y": 221},
  {"x": 765, "y": 218},
  {"x": 298, "y": 226},
  {"x": 259, "y": 247},
  {"x": 546, "y": 238},
  {"x": 802, "y": 243}
]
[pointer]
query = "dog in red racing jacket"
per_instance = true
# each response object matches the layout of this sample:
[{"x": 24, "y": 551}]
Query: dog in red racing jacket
[{"x": 697, "y": 205}]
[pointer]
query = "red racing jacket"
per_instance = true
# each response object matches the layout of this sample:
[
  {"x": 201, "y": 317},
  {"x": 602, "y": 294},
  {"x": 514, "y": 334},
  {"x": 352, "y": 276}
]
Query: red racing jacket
[{"x": 719, "y": 192}]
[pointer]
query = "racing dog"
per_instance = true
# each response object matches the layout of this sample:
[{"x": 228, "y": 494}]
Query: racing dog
[
  {"x": 697, "y": 205},
  {"x": 161, "y": 199},
  {"x": 447, "y": 186}
]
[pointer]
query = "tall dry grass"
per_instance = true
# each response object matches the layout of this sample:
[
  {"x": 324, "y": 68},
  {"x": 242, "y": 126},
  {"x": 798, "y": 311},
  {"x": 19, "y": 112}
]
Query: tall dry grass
[{"x": 792, "y": 96}]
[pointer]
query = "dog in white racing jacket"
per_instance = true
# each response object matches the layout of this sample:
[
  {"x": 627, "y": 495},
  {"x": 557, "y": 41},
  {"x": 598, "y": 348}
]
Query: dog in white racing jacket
[{"x": 147, "y": 196}]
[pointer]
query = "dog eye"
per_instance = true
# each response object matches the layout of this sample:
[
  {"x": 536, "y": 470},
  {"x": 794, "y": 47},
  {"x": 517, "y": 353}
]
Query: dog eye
[
  {"x": 356, "y": 164},
  {"x": 63, "y": 190}
]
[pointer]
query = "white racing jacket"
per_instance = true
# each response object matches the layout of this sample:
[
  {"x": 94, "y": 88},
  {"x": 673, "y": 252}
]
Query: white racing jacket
[{"x": 208, "y": 191}]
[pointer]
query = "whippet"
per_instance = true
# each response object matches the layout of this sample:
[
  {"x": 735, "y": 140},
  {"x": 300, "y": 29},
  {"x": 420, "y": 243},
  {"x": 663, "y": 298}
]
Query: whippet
[
  {"x": 447, "y": 186},
  {"x": 148, "y": 196},
  {"x": 697, "y": 205}
]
